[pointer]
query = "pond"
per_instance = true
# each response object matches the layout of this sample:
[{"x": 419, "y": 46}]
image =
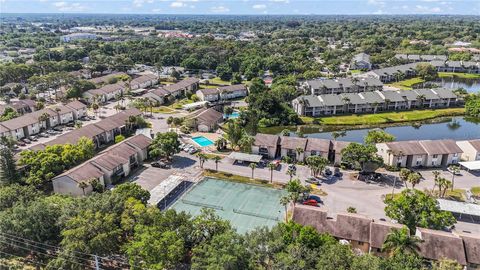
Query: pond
[
  {"x": 457, "y": 128},
  {"x": 471, "y": 85}
]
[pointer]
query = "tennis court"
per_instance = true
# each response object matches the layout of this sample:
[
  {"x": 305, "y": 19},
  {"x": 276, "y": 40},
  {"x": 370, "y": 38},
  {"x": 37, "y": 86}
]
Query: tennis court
[{"x": 245, "y": 206}]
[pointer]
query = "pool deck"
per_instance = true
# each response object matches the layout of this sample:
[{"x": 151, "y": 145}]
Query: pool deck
[{"x": 211, "y": 136}]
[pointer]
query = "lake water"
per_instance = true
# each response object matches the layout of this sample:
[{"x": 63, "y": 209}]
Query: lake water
[
  {"x": 471, "y": 85},
  {"x": 456, "y": 128}
]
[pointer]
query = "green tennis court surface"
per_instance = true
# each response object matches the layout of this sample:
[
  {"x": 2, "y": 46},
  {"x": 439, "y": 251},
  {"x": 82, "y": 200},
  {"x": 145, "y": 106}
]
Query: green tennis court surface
[{"x": 245, "y": 206}]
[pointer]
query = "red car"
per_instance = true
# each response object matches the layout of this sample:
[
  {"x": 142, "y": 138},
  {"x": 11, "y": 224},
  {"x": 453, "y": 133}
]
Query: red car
[{"x": 311, "y": 202}]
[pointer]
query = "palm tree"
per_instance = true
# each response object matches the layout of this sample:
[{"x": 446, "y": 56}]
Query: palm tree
[
  {"x": 202, "y": 157},
  {"x": 436, "y": 174},
  {"x": 252, "y": 166},
  {"x": 404, "y": 173},
  {"x": 271, "y": 166},
  {"x": 454, "y": 169},
  {"x": 44, "y": 117},
  {"x": 420, "y": 99},
  {"x": 291, "y": 173},
  {"x": 299, "y": 151},
  {"x": 83, "y": 186},
  {"x": 414, "y": 178},
  {"x": 401, "y": 242},
  {"x": 285, "y": 200},
  {"x": 220, "y": 143},
  {"x": 216, "y": 159}
]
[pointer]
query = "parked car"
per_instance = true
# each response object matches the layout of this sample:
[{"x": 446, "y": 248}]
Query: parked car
[
  {"x": 27, "y": 141},
  {"x": 315, "y": 197},
  {"x": 192, "y": 150},
  {"x": 328, "y": 172},
  {"x": 161, "y": 165},
  {"x": 59, "y": 129},
  {"x": 43, "y": 134},
  {"x": 310, "y": 202},
  {"x": 312, "y": 180},
  {"x": 21, "y": 143},
  {"x": 450, "y": 169},
  {"x": 336, "y": 172},
  {"x": 33, "y": 138},
  {"x": 292, "y": 167}
]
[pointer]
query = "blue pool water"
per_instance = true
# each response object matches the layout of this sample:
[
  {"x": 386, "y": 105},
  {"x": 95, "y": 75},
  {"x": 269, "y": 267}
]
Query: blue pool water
[
  {"x": 232, "y": 116},
  {"x": 202, "y": 141}
]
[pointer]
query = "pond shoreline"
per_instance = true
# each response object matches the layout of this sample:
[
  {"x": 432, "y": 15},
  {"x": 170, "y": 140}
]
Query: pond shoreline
[{"x": 332, "y": 128}]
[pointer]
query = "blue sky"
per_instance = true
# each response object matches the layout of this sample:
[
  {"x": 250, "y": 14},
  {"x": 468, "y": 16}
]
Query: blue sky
[{"x": 470, "y": 7}]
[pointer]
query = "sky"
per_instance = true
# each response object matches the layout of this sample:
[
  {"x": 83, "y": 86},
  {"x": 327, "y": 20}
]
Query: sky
[{"x": 254, "y": 7}]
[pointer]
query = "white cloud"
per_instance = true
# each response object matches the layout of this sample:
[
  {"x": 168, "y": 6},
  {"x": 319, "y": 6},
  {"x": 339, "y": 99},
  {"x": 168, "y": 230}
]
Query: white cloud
[
  {"x": 280, "y": 1},
  {"x": 69, "y": 7},
  {"x": 220, "y": 9},
  {"x": 427, "y": 9},
  {"x": 177, "y": 4},
  {"x": 259, "y": 6}
]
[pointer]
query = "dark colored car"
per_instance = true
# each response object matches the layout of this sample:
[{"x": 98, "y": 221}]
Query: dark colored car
[
  {"x": 314, "y": 197},
  {"x": 336, "y": 172},
  {"x": 292, "y": 167},
  {"x": 160, "y": 165},
  {"x": 311, "y": 202},
  {"x": 328, "y": 172}
]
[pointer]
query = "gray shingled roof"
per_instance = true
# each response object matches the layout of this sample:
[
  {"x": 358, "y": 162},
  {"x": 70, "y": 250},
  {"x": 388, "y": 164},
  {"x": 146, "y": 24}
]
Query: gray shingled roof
[
  {"x": 331, "y": 100},
  {"x": 393, "y": 96}
]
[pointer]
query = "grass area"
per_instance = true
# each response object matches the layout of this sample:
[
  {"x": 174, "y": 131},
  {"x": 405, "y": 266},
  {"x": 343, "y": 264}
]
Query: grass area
[
  {"x": 240, "y": 179},
  {"x": 318, "y": 191},
  {"x": 475, "y": 191},
  {"x": 355, "y": 71},
  {"x": 386, "y": 117},
  {"x": 389, "y": 196},
  {"x": 217, "y": 80},
  {"x": 204, "y": 86},
  {"x": 458, "y": 195},
  {"x": 407, "y": 84},
  {"x": 458, "y": 75},
  {"x": 179, "y": 103},
  {"x": 163, "y": 109}
]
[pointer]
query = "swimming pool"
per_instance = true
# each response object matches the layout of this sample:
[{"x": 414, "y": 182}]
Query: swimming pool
[
  {"x": 232, "y": 115},
  {"x": 202, "y": 141}
]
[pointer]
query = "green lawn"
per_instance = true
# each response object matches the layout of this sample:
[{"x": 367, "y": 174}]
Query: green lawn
[
  {"x": 179, "y": 103},
  {"x": 355, "y": 71},
  {"x": 386, "y": 117},
  {"x": 217, "y": 80},
  {"x": 475, "y": 191},
  {"x": 458, "y": 75},
  {"x": 163, "y": 109},
  {"x": 407, "y": 84},
  {"x": 203, "y": 86},
  {"x": 239, "y": 179}
]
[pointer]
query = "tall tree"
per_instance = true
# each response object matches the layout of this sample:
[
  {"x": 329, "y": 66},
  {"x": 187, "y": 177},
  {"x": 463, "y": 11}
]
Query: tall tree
[{"x": 399, "y": 241}]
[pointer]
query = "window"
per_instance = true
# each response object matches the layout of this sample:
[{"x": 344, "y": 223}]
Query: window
[
  {"x": 435, "y": 156},
  {"x": 455, "y": 155}
]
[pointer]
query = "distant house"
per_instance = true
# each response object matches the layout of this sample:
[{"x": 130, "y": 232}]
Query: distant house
[
  {"x": 390, "y": 74},
  {"x": 372, "y": 102},
  {"x": 317, "y": 147},
  {"x": 361, "y": 61},
  {"x": 106, "y": 78},
  {"x": 424, "y": 153},
  {"x": 106, "y": 168},
  {"x": 367, "y": 235},
  {"x": 222, "y": 93},
  {"x": 266, "y": 145},
  {"x": 293, "y": 147},
  {"x": 158, "y": 96},
  {"x": 471, "y": 149},
  {"x": 79, "y": 109},
  {"x": 105, "y": 93},
  {"x": 144, "y": 81},
  {"x": 77, "y": 36},
  {"x": 181, "y": 88},
  {"x": 341, "y": 85},
  {"x": 206, "y": 120},
  {"x": 420, "y": 58}
]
